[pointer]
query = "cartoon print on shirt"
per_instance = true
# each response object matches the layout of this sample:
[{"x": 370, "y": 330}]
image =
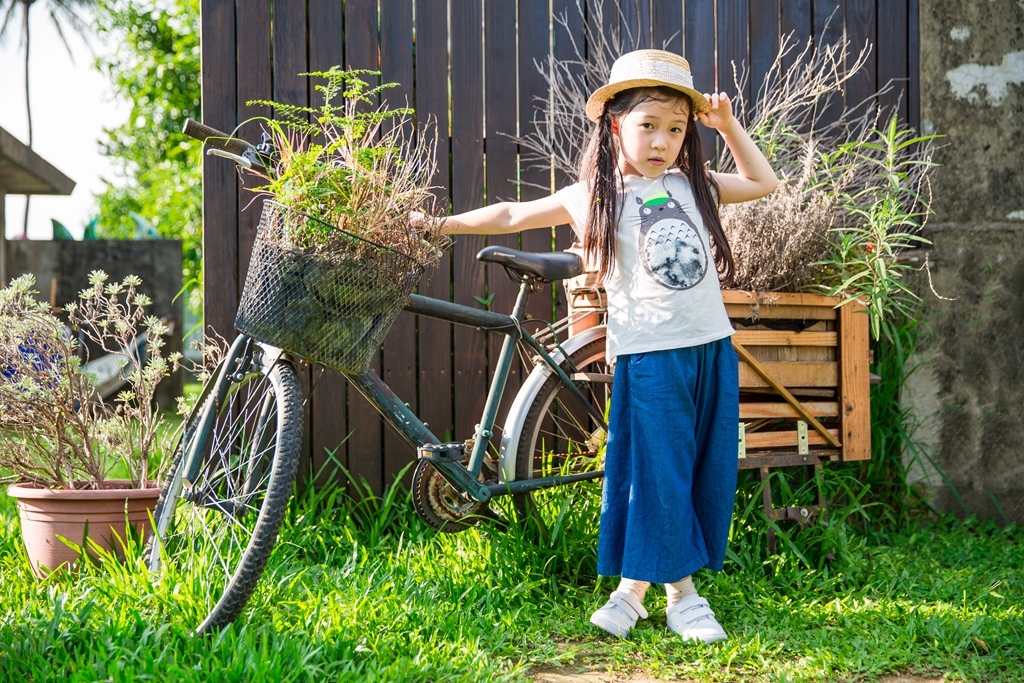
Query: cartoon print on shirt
[{"x": 671, "y": 249}]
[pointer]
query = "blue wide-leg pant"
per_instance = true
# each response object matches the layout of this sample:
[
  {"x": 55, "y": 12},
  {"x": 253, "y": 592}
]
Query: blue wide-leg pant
[{"x": 671, "y": 463}]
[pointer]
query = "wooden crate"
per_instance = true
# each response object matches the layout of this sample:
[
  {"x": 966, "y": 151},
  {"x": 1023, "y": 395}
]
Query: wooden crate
[
  {"x": 804, "y": 372},
  {"x": 804, "y": 378}
]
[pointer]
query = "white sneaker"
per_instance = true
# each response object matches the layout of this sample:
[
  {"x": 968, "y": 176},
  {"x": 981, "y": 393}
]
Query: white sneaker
[
  {"x": 619, "y": 614},
  {"x": 693, "y": 619}
]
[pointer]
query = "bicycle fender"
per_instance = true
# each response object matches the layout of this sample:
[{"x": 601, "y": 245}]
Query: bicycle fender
[{"x": 513, "y": 430}]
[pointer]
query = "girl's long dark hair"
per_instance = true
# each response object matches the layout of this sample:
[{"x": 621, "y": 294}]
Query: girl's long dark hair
[{"x": 599, "y": 166}]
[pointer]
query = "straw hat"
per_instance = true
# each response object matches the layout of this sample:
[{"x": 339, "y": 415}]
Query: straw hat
[{"x": 646, "y": 68}]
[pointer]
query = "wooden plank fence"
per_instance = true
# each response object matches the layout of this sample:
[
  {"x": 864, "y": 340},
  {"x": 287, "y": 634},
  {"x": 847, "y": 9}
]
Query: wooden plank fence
[{"x": 469, "y": 64}]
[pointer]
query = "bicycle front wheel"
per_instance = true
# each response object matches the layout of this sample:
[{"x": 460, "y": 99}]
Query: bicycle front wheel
[
  {"x": 559, "y": 436},
  {"x": 213, "y": 536}
]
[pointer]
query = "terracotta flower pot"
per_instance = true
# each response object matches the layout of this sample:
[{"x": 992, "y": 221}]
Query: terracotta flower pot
[{"x": 49, "y": 513}]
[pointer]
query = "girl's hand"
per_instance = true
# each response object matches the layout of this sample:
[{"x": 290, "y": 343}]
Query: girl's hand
[
  {"x": 720, "y": 115},
  {"x": 754, "y": 177},
  {"x": 421, "y": 224},
  {"x": 420, "y": 221}
]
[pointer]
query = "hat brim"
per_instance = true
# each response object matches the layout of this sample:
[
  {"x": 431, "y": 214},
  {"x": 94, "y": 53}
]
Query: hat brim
[{"x": 595, "y": 105}]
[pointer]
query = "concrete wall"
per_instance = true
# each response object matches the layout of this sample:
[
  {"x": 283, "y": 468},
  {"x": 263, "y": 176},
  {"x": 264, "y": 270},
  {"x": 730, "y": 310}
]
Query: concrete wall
[
  {"x": 62, "y": 271},
  {"x": 969, "y": 386}
]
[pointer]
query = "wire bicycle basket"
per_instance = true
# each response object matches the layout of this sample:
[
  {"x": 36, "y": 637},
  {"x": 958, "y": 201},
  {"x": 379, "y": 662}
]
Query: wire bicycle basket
[{"x": 333, "y": 308}]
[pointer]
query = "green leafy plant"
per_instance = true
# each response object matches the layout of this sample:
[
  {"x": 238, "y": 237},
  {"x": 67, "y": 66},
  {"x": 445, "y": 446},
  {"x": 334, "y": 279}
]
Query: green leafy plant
[
  {"x": 56, "y": 429},
  {"x": 880, "y": 220},
  {"x": 894, "y": 446},
  {"x": 485, "y": 300},
  {"x": 352, "y": 163}
]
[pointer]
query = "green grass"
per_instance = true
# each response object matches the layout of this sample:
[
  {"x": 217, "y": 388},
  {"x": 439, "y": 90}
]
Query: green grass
[{"x": 363, "y": 592}]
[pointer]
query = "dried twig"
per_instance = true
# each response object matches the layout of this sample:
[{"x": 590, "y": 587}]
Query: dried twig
[
  {"x": 815, "y": 141},
  {"x": 560, "y": 121}
]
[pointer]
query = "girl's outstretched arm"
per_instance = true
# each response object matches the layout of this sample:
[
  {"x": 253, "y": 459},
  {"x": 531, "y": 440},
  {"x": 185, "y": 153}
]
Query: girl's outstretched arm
[
  {"x": 754, "y": 177},
  {"x": 504, "y": 217}
]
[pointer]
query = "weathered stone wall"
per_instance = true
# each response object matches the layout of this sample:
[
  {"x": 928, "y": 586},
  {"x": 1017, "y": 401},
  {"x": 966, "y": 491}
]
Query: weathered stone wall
[
  {"x": 62, "y": 268},
  {"x": 972, "y": 92},
  {"x": 969, "y": 385},
  {"x": 968, "y": 381}
]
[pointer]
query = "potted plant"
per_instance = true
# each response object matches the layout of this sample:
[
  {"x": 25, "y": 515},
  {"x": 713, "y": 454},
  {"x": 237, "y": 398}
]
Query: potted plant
[{"x": 84, "y": 469}]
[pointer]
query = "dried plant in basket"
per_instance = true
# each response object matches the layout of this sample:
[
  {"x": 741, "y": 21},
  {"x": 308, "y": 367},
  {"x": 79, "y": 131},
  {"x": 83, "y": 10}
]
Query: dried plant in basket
[
  {"x": 354, "y": 164},
  {"x": 853, "y": 189},
  {"x": 778, "y": 245},
  {"x": 794, "y": 119}
]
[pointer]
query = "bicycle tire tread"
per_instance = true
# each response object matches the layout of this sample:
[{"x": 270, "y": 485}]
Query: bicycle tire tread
[
  {"x": 264, "y": 537},
  {"x": 239, "y": 588}
]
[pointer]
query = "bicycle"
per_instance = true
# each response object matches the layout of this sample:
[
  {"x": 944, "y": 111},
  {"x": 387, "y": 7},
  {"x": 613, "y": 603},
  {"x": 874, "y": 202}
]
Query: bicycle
[{"x": 228, "y": 486}]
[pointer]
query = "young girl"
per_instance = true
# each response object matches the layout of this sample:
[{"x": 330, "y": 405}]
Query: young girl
[{"x": 646, "y": 211}]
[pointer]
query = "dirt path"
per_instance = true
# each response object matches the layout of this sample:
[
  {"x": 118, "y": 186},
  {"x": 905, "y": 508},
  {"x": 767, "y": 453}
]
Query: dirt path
[{"x": 572, "y": 674}]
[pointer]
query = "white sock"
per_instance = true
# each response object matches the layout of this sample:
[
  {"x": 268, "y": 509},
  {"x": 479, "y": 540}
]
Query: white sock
[
  {"x": 679, "y": 590},
  {"x": 637, "y": 588}
]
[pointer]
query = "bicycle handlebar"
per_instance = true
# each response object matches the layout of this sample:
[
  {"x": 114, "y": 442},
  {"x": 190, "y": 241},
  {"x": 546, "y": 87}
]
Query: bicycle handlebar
[
  {"x": 236, "y": 149},
  {"x": 215, "y": 138}
]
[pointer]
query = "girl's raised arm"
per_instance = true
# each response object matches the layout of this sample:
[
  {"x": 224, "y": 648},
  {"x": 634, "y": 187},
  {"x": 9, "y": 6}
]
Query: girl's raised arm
[
  {"x": 754, "y": 177},
  {"x": 504, "y": 217}
]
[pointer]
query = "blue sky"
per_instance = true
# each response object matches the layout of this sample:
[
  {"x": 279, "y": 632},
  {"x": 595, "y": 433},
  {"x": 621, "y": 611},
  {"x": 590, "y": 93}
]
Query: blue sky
[{"x": 71, "y": 102}]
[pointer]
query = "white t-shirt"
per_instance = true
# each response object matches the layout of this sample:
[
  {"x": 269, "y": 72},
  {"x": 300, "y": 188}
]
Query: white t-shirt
[{"x": 664, "y": 291}]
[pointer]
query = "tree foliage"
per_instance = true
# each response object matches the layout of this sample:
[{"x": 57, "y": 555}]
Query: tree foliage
[{"x": 155, "y": 67}]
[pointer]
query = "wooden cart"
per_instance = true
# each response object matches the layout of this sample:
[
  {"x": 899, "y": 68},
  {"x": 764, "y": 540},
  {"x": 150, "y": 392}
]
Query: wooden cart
[{"x": 804, "y": 386}]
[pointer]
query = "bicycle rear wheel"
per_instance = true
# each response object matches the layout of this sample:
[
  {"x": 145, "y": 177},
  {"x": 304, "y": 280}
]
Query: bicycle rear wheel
[
  {"x": 213, "y": 537},
  {"x": 559, "y": 436}
]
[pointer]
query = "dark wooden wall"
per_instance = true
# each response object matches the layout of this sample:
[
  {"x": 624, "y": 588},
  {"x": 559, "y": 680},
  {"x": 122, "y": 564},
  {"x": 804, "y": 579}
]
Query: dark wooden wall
[{"x": 458, "y": 61}]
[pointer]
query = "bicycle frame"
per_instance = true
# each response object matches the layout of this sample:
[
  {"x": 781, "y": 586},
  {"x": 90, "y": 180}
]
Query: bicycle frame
[{"x": 447, "y": 458}]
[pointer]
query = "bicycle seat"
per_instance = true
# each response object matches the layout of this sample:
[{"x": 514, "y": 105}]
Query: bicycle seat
[{"x": 557, "y": 265}]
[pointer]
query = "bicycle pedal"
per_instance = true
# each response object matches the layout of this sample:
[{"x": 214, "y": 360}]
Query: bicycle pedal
[{"x": 450, "y": 452}]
